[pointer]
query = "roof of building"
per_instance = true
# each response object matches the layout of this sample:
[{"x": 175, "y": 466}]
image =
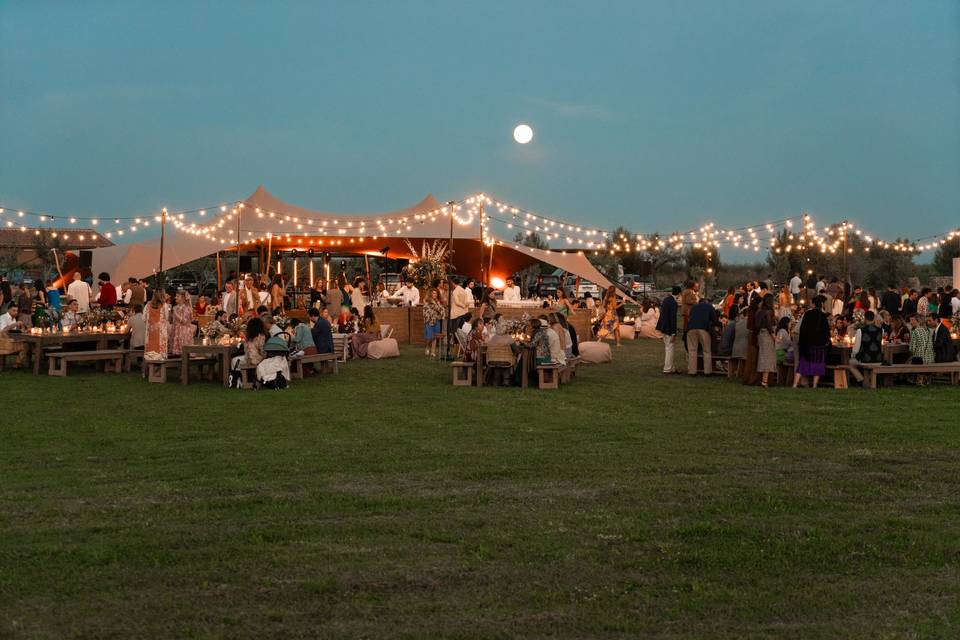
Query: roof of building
[{"x": 26, "y": 238}]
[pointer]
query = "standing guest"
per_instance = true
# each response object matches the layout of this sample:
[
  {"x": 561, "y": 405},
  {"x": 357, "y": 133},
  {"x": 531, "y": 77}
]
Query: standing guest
[
  {"x": 955, "y": 301},
  {"x": 53, "y": 298},
  {"x": 511, "y": 292},
  {"x": 318, "y": 294},
  {"x": 461, "y": 303},
  {"x": 138, "y": 294},
  {"x": 573, "y": 339},
  {"x": 890, "y": 300},
  {"x": 610, "y": 323},
  {"x": 943, "y": 347},
  {"x": 138, "y": 328},
  {"x": 25, "y": 305},
  {"x": 200, "y": 308},
  {"x": 873, "y": 300},
  {"x": 667, "y": 326},
  {"x": 564, "y": 304},
  {"x": 80, "y": 291},
  {"x": 909, "y": 305},
  {"x": 369, "y": 332},
  {"x": 812, "y": 344},
  {"x": 748, "y": 372},
  {"x": 157, "y": 326},
  {"x": 741, "y": 340},
  {"x": 795, "y": 283},
  {"x": 867, "y": 346},
  {"x": 728, "y": 301},
  {"x": 433, "y": 314},
  {"x": 276, "y": 293},
  {"x": 39, "y": 293},
  {"x": 688, "y": 298},
  {"x": 589, "y": 303},
  {"x": 729, "y": 334},
  {"x": 228, "y": 301},
  {"x": 181, "y": 329},
  {"x": 785, "y": 304},
  {"x": 700, "y": 324},
  {"x": 488, "y": 304},
  {"x": 409, "y": 295},
  {"x": 764, "y": 328},
  {"x": 357, "y": 298},
  {"x": 321, "y": 331},
  {"x": 107, "y": 295},
  {"x": 921, "y": 341},
  {"x": 923, "y": 302}
]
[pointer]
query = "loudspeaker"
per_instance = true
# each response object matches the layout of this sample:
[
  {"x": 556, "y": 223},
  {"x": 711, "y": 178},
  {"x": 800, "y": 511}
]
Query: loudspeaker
[
  {"x": 86, "y": 259},
  {"x": 246, "y": 264},
  {"x": 646, "y": 268}
]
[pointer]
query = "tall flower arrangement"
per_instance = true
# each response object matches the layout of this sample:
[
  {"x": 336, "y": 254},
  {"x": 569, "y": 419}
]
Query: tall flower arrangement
[{"x": 429, "y": 264}]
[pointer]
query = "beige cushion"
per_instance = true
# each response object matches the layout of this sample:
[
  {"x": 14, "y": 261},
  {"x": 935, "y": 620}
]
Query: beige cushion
[
  {"x": 595, "y": 352},
  {"x": 386, "y": 348},
  {"x": 627, "y": 332}
]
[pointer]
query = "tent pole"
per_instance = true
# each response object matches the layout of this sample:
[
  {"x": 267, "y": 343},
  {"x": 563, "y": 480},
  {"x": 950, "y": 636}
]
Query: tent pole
[
  {"x": 490, "y": 268},
  {"x": 366, "y": 264},
  {"x": 218, "y": 271},
  {"x": 266, "y": 274},
  {"x": 163, "y": 233},
  {"x": 239, "y": 290},
  {"x": 449, "y": 327},
  {"x": 482, "y": 282},
  {"x": 56, "y": 261}
]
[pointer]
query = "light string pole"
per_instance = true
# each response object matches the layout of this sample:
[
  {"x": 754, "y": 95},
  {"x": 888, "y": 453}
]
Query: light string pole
[
  {"x": 163, "y": 233},
  {"x": 449, "y": 278}
]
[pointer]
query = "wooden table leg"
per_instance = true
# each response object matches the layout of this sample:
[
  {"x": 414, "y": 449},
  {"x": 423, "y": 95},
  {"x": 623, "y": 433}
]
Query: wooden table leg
[
  {"x": 225, "y": 367},
  {"x": 185, "y": 365},
  {"x": 37, "y": 356},
  {"x": 525, "y": 369}
]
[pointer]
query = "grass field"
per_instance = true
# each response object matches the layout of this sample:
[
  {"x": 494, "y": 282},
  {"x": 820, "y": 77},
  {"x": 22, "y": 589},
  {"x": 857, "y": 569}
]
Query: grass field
[{"x": 383, "y": 502}]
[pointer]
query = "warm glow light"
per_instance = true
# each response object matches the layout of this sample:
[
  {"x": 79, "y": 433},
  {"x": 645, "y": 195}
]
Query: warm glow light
[{"x": 523, "y": 133}]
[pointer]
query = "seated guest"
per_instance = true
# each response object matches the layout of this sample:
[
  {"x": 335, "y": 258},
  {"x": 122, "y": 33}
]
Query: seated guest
[
  {"x": 782, "y": 340},
  {"x": 553, "y": 340},
  {"x": 539, "y": 340},
  {"x": 200, "y": 307},
  {"x": 321, "y": 331},
  {"x": 217, "y": 327},
  {"x": 301, "y": 340},
  {"x": 138, "y": 328},
  {"x": 474, "y": 340},
  {"x": 369, "y": 332},
  {"x": 649, "y": 317},
  {"x": 72, "y": 316},
  {"x": 344, "y": 320},
  {"x": 255, "y": 336},
  {"x": 269, "y": 325},
  {"x": 9, "y": 321},
  {"x": 561, "y": 332}
]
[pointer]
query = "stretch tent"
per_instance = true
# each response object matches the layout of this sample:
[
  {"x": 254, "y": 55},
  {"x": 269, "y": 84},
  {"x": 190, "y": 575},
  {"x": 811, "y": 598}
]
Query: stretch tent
[{"x": 292, "y": 227}]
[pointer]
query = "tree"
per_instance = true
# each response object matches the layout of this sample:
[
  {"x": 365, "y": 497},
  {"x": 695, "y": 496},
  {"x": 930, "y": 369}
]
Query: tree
[
  {"x": 530, "y": 273},
  {"x": 943, "y": 257}
]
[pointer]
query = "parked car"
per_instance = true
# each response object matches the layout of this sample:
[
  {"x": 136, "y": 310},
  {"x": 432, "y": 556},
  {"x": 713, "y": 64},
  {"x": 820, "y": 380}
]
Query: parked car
[
  {"x": 190, "y": 284},
  {"x": 585, "y": 287},
  {"x": 637, "y": 285},
  {"x": 548, "y": 286},
  {"x": 391, "y": 281}
]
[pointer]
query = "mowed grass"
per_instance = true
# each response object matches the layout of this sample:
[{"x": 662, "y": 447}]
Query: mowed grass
[{"x": 384, "y": 502}]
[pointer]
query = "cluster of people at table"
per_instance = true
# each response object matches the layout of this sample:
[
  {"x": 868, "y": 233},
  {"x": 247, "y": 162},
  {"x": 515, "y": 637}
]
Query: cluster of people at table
[{"x": 759, "y": 329}]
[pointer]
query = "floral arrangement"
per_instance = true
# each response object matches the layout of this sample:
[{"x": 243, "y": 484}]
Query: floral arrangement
[
  {"x": 429, "y": 264},
  {"x": 99, "y": 317},
  {"x": 858, "y": 319}
]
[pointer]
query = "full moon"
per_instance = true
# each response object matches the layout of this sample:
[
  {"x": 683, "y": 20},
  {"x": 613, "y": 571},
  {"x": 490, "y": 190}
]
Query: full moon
[{"x": 523, "y": 133}]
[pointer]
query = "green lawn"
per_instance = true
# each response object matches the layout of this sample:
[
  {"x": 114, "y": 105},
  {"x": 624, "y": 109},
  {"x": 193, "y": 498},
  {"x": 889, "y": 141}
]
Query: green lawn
[{"x": 384, "y": 502}]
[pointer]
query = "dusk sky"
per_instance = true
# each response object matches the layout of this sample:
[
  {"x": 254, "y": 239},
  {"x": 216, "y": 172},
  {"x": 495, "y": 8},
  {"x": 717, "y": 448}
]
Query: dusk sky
[{"x": 659, "y": 116}]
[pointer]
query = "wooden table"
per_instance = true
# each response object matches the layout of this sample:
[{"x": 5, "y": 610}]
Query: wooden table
[
  {"x": 890, "y": 349},
  {"x": 39, "y": 341},
  {"x": 221, "y": 352}
]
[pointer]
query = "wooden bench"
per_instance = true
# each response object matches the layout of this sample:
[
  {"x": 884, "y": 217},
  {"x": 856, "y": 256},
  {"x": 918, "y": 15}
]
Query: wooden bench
[
  {"x": 874, "y": 370},
  {"x": 340, "y": 348},
  {"x": 570, "y": 370},
  {"x": 60, "y": 359},
  {"x": 719, "y": 365},
  {"x": 248, "y": 375},
  {"x": 156, "y": 370},
  {"x": 463, "y": 373},
  {"x": 840, "y": 377},
  {"x": 548, "y": 375},
  {"x": 296, "y": 364}
]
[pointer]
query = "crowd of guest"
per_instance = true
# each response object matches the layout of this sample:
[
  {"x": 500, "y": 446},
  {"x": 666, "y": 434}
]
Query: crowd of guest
[{"x": 760, "y": 328}]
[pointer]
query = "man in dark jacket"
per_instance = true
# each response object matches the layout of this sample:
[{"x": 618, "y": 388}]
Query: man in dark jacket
[
  {"x": 321, "y": 331},
  {"x": 703, "y": 319},
  {"x": 943, "y": 347},
  {"x": 667, "y": 325},
  {"x": 890, "y": 300}
]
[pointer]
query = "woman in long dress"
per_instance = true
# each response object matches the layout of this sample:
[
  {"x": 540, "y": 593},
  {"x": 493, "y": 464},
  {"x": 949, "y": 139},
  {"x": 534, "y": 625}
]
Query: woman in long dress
[
  {"x": 182, "y": 329},
  {"x": 766, "y": 346},
  {"x": 610, "y": 323},
  {"x": 276, "y": 294},
  {"x": 433, "y": 315},
  {"x": 812, "y": 343},
  {"x": 748, "y": 373},
  {"x": 156, "y": 319}
]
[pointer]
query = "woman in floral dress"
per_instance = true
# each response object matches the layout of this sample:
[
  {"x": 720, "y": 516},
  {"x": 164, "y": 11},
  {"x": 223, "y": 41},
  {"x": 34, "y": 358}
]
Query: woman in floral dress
[
  {"x": 433, "y": 315},
  {"x": 182, "y": 329},
  {"x": 156, "y": 327}
]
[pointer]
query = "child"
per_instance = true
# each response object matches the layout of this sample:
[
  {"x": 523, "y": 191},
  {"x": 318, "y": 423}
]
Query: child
[{"x": 784, "y": 343}]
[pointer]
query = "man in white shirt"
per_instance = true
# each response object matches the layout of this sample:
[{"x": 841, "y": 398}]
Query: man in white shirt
[
  {"x": 461, "y": 302},
  {"x": 511, "y": 293},
  {"x": 229, "y": 301},
  {"x": 71, "y": 317},
  {"x": 796, "y": 282},
  {"x": 409, "y": 295},
  {"x": 955, "y": 301},
  {"x": 821, "y": 285},
  {"x": 138, "y": 328},
  {"x": 9, "y": 320},
  {"x": 80, "y": 291}
]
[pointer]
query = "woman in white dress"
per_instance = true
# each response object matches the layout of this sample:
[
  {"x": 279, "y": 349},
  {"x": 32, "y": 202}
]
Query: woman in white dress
[
  {"x": 648, "y": 321},
  {"x": 357, "y": 298}
]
